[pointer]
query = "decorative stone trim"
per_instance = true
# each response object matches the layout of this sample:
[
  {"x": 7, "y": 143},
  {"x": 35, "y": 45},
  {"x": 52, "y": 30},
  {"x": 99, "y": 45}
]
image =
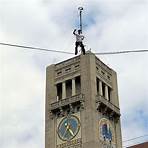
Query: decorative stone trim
[
  {"x": 106, "y": 107},
  {"x": 67, "y": 70},
  {"x": 76, "y": 143},
  {"x": 107, "y": 78},
  {"x": 67, "y": 63},
  {"x": 66, "y": 106},
  {"x": 103, "y": 66}
]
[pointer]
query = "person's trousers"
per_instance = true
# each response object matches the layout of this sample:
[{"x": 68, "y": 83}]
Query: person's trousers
[{"x": 82, "y": 47}]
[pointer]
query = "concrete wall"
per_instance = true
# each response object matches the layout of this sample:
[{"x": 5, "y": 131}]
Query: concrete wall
[{"x": 85, "y": 67}]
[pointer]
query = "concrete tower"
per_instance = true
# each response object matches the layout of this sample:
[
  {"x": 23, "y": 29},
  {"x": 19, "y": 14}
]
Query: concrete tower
[{"x": 82, "y": 105}]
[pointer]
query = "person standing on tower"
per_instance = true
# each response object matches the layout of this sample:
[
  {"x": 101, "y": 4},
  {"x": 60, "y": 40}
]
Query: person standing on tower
[{"x": 79, "y": 39}]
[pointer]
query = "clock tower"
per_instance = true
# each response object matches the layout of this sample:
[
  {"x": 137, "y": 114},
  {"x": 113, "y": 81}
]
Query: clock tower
[{"x": 82, "y": 104}]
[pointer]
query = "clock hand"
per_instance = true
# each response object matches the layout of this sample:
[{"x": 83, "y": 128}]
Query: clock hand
[
  {"x": 65, "y": 132},
  {"x": 67, "y": 126},
  {"x": 71, "y": 132}
]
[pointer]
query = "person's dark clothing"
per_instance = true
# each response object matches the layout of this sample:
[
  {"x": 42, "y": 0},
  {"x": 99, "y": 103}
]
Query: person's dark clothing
[{"x": 82, "y": 47}]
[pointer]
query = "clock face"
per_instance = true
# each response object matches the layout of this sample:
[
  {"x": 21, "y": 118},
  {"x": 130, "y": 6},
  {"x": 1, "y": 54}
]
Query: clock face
[
  {"x": 68, "y": 128},
  {"x": 106, "y": 131}
]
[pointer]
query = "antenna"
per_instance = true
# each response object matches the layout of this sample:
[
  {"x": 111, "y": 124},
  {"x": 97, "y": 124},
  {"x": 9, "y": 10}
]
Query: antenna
[{"x": 80, "y": 10}]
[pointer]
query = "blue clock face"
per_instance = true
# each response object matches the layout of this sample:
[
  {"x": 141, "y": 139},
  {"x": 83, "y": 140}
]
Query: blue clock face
[
  {"x": 68, "y": 128},
  {"x": 106, "y": 130}
]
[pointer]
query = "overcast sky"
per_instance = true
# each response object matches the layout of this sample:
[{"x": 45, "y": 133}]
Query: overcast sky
[{"x": 109, "y": 25}]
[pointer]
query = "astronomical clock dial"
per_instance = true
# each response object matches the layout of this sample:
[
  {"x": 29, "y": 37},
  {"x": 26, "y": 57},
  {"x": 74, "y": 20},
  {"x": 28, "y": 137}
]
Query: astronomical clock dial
[
  {"x": 106, "y": 132},
  {"x": 68, "y": 128}
]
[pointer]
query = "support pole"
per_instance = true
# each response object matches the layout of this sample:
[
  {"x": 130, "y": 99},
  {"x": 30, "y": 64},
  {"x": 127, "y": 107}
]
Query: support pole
[{"x": 80, "y": 9}]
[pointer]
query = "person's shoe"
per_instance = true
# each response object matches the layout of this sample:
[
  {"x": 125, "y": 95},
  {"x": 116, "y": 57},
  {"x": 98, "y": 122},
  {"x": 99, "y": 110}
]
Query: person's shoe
[{"x": 83, "y": 52}]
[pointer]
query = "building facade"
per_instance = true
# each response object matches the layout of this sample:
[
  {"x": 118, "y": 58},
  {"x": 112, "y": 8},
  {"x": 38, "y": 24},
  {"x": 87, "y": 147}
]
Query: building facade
[{"x": 82, "y": 105}]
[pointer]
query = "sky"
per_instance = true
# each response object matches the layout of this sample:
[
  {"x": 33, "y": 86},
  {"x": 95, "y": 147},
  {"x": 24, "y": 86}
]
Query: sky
[{"x": 108, "y": 25}]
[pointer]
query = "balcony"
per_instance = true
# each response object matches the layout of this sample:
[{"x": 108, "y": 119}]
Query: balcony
[
  {"x": 105, "y": 106},
  {"x": 73, "y": 104}
]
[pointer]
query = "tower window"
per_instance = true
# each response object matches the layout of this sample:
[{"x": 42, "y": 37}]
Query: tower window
[
  {"x": 68, "y": 88},
  {"x": 109, "y": 93},
  {"x": 59, "y": 91},
  {"x": 102, "y": 72},
  {"x": 103, "y": 89},
  {"x": 108, "y": 77},
  {"x": 78, "y": 85},
  {"x": 97, "y": 83},
  {"x": 59, "y": 72},
  {"x": 76, "y": 66},
  {"x": 68, "y": 69}
]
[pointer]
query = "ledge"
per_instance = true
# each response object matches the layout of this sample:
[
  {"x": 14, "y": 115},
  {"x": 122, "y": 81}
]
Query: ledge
[
  {"x": 104, "y": 105},
  {"x": 64, "y": 102}
]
